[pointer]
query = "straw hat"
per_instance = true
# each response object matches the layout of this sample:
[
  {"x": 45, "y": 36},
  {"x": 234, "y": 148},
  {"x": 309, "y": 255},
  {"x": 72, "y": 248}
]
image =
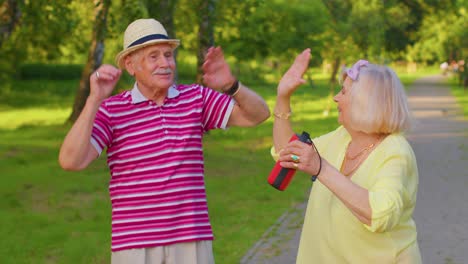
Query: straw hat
[{"x": 141, "y": 33}]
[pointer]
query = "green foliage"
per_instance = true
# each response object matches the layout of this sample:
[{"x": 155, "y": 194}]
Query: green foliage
[
  {"x": 261, "y": 29},
  {"x": 75, "y": 48},
  {"x": 46, "y": 24},
  {"x": 49, "y": 71},
  {"x": 403, "y": 20},
  {"x": 34, "y": 94},
  {"x": 461, "y": 93},
  {"x": 376, "y": 30},
  {"x": 60, "y": 31},
  {"x": 443, "y": 34}
]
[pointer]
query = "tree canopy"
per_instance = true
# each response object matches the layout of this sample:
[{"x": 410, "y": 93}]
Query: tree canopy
[{"x": 415, "y": 30}]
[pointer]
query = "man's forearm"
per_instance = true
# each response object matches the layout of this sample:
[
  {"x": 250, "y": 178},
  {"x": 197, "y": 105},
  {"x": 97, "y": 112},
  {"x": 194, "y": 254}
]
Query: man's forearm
[
  {"x": 75, "y": 150},
  {"x": 252, "y": 106}
]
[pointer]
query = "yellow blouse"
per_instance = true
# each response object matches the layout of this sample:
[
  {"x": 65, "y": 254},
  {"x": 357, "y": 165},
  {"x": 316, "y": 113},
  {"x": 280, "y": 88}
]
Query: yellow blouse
[{"x": 332, "y": 234}]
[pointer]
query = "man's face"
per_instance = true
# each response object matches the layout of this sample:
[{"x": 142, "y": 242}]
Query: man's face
[{"x": 154, "y": 67}]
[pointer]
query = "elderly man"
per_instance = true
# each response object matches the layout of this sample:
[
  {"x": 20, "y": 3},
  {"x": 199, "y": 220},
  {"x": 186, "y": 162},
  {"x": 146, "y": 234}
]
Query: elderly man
[{"x": 153, "y": 135}]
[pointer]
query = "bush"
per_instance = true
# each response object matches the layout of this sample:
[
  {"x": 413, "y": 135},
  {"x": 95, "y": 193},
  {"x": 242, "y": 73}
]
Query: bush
[{"x": 50, "y": 71}]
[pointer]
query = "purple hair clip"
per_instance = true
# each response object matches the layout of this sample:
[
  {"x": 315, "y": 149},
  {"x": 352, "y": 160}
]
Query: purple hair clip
[{"x": 353, "y": 73}]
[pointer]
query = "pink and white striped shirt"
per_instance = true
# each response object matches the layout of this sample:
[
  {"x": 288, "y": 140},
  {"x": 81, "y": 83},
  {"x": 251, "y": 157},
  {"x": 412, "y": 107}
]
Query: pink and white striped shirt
[{"x": 155, "y": 158}]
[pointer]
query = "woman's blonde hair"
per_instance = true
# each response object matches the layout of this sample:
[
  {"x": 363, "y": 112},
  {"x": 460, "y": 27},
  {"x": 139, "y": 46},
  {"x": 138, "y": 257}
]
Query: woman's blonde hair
[{"x": 378, "y": 101}]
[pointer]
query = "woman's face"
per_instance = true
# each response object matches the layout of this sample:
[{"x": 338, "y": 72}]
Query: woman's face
[{"x": 343, "y": 101}]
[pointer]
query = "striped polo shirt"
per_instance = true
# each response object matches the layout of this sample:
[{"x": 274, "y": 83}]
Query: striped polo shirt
[{"x": 155, "y": 159}]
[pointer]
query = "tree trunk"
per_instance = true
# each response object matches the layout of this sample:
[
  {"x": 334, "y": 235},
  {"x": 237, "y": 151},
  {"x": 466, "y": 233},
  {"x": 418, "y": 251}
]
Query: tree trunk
[
  {"x": 10, "y": 14},
  {"x": 163, "y": 11},
  {"x": 205, "y": 33},
  {"x": 95, "y": 55},
  {"x": 332, "y": 82}
]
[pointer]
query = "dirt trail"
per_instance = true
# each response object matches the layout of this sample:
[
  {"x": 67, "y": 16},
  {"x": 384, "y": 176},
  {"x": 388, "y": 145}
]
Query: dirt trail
[{"x": 440, "y": 141}]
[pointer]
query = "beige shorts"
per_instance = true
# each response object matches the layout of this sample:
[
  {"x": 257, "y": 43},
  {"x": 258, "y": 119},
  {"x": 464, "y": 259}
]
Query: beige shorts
[{"x": 200, "y": 252}]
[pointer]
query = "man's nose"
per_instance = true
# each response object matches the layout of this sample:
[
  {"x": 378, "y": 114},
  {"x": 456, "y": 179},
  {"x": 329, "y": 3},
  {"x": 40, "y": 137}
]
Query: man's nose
[{"x": 164, "y": 62}]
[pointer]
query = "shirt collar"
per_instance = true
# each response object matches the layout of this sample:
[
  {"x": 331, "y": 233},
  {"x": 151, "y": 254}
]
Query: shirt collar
[{"x": 138, "y": 97}]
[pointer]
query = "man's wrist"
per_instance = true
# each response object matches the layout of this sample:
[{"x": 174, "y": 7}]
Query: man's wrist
[
  {"x": 233, "y": 89},
  {"x": 94, "y": 101}
]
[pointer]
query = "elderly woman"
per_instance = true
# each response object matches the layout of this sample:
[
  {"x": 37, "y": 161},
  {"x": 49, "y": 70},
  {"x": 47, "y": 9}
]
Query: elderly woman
[{"x": 360, "y": 208}]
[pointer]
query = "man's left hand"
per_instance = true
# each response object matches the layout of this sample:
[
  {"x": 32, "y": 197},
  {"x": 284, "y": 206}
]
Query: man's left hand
[{"x": 216, "y": 71}]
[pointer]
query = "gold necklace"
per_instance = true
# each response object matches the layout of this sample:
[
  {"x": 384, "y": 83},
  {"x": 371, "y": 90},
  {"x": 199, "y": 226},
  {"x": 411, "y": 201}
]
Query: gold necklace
[
  {"x": 357, "y": 155},
  {"x": 353, "y": 169},
  {"x": 348, "y": 156}
]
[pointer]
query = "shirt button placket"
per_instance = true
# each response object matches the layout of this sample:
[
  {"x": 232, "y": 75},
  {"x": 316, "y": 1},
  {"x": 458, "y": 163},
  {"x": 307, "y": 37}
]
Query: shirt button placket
[{"x": 163, "y": 120}]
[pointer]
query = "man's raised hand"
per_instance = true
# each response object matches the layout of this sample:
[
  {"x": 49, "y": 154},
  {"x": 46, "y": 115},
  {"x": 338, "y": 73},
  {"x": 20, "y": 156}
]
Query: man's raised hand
[
  {"x": 103, "y": 81},
  {"x": 216, "y": 71}
]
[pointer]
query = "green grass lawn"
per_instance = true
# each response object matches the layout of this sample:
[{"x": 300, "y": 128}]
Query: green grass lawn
[
  {"x": 460, "y": 93},
  {"x": 48, "y": 215}
]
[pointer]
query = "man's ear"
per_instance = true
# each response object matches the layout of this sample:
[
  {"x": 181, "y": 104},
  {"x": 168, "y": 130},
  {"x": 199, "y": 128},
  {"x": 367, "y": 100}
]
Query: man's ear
[{"x": 129, "y": 65}]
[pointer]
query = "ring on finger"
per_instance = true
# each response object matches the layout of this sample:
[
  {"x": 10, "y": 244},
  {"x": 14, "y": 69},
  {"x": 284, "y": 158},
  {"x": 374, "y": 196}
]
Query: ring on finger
[
  {"x": 296, "y": 165},
  {"x": 295, "y": 158},
  {"x": 97, "y": 74}
]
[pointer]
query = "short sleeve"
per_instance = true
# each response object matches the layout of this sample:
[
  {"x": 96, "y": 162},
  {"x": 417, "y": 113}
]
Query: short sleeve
[
  {"x": 274, "y": 154},
  {"x": 102, "y": 131},
  {"x": 217, "y": 109}
]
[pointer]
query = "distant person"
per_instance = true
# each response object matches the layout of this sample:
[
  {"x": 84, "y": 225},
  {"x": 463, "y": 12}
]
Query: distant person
[
  {"x": 454, "y": 67},
  {"x": 153, "y": 136},
  {"x": 462, "y": 74},
  {"x": 361, "y": 205},
  {"x": 444, "y": 66}
]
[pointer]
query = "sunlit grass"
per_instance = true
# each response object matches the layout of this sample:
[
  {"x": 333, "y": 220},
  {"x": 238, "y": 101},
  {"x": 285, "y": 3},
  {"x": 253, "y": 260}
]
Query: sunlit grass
[
  {"x": 460, "y": 93},
  {"x": 34, "y": 116}
]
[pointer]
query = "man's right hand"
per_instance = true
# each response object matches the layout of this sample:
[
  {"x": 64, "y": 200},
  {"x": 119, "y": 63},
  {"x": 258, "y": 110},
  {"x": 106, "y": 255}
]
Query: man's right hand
[{"x": 103, "y": 81}]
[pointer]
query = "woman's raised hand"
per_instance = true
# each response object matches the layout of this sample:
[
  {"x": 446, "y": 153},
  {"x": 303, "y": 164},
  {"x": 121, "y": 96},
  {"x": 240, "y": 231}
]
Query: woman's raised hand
[{"x": 293, "y": 76}]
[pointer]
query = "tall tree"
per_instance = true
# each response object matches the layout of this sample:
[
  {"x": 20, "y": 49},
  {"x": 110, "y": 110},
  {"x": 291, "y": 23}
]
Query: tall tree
[
  {"x": 205, "y": 11},
  {"x": 338, "y": 32},
  {"x": 10, "y": 14},
  {"x": 163, "y": 11},
  {"x": 443, "y": 34},
  {"x": 20, "y": 22},
  {"x": 95, "y": 54}
]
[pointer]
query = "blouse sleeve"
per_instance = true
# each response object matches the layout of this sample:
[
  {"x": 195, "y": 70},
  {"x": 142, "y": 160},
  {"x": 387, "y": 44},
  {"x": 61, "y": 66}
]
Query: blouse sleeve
[{"x": 389, "y": 195}]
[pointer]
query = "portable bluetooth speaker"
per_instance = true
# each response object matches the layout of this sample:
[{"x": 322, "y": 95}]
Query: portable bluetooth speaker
[{"x": 281, "y": 177}]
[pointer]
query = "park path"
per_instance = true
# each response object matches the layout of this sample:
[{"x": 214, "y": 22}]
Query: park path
[{"x": 440, "y": 141}]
